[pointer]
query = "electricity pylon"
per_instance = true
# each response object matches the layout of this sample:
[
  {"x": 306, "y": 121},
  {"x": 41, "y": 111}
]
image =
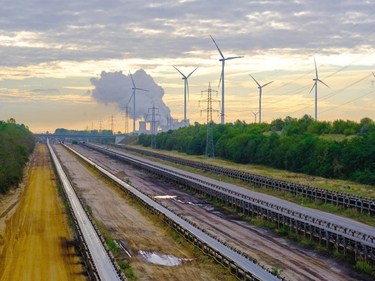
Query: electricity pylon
[
  {"x": 210, "y": 152},
  {"x": 112, "y": 121},
  {"x": 153, "y": 123},
  {"x": 128, "y": 112}
]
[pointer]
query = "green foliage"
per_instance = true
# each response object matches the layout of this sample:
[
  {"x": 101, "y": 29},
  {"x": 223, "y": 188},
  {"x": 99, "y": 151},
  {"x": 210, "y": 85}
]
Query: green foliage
[
  {"x": 284, "y": 230},
  {"x": 89, "y": 209},
  {"x": 276, "y": 271},
  {"x": 291, "y": 144},
  {"x": 112, "y": 246},
  {"x": 365, "y": 268},
  {"x": 16, "y": 143},
  {"x": 127, "y": 269}
]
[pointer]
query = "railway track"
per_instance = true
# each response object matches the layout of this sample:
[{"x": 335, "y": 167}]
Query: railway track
[
  {"x": 242, "y": 266},
  {"x": 99, "y": 264},
  {"x": 341, "y": 233},
  {"x": 343, "y": 199}
]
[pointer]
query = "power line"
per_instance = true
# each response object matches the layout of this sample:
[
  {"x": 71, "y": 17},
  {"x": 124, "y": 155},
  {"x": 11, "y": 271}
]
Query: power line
[
  {"x": 344, "y": 88},
  {"x": 328, "y": 44},
  {"x": 348, "y": 101}
]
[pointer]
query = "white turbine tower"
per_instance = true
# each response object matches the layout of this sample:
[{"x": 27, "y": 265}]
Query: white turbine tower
[
  {"x": 133, "y": 96},
  {"x": 223, "y": 59},
  {"x": 260, "y": 96},
  {"x": 186, "y": 86},
  {"x": 255, "y": 116},
  {"x": 316, "y": 79}
]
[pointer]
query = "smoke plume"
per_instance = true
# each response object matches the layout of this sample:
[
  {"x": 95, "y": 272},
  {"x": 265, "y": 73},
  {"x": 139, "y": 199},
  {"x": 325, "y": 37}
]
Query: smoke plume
[{"x": 115, "y": 87}]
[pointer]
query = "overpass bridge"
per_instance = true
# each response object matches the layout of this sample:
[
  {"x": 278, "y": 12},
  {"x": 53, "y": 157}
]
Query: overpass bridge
[{"x": 110, "y": 138}]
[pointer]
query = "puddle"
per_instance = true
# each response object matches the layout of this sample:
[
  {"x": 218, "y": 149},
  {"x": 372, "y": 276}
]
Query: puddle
[
  {"x": 165, "y": 197},
  {"x": 218, "y": 213},
  {"x": 194, "y": 204},
  {"x": 161, "y": 259},
  {"x": 174, "y": 197}
]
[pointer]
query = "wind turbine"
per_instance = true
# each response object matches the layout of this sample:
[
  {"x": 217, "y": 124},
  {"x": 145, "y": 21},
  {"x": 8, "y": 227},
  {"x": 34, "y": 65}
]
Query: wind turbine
[
  {"x": 255, "y": 116},
  {"x": 186, "y": 86},
  {"x": 316, "y": 79},
  {"x": 133, "y": 96},
  {"x": 260, "y": 96},
  {"x": 223, "y": 59}
]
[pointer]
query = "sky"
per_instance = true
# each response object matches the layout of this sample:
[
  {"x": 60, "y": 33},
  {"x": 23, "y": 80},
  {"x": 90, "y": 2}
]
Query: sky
[{"x": 66, "y": 64}]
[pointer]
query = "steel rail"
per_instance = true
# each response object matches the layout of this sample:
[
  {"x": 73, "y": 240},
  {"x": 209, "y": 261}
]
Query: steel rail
[
  {"x": 345, "y": 231},
  {"x": 343, "y": 199},
  {"x": 102, "y": 261},
  {"x": 255, "y": 271}
]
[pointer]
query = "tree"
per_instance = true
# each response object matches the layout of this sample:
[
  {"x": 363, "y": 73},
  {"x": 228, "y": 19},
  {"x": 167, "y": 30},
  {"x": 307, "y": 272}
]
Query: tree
[{"x": 16, "y": 142}]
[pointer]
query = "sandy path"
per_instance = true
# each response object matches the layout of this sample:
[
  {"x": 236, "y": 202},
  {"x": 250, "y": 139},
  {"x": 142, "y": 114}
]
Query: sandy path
[
  {"x": 37, "y": 237},
  {"x": 266, "y": 247},
  {"x": 126, "y": 223}
]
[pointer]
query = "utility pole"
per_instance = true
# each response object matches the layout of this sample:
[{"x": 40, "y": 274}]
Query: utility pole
[
  {"x": 210, "y": 124},
  {"x": 153, "y": 123},
  {"x": 100, "y": 126},
  {"x": 128, "y": 112},
  {"x": 112, "y": 121}
]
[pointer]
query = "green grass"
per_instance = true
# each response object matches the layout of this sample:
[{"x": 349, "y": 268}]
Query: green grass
[
  {"x": 127, "y": 269},
  {"x": 365, "y": 268},
  {"x": 89, "y": 210},
  {"x": 107, "y": 237},
  {"x": 336, "y": 137}
]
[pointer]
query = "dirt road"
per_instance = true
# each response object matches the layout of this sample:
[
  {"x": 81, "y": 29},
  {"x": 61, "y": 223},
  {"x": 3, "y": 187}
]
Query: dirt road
[
  {"x": 36, "y": 240},
  {"x": 266, "y": 247}
]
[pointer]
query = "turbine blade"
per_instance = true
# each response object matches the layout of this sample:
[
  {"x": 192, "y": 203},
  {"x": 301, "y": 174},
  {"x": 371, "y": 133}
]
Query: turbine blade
[
  {"x": 132, "y": 79},
  {"x": 221, "y": 54},
  {"x": 323, "y": 83},
  {"x": 131, "y": 97},
  {"x": 179, "y": 71},
  {"x": 187, "y": 86},
  {"x": 191, "y": 72},
  {"x": 231, "y": 58},
  {"x": 316, "y": 69},
  {"x": 221, "y": 76},
  {"x": 267, "y": 84},
  {"x": 254, "y": 80},
  {"x": 219, "y": 82},
  {"x": 373, "y": 74},
  {"x": 312, "y": 87},
  {"x": 140, "y": 89}
]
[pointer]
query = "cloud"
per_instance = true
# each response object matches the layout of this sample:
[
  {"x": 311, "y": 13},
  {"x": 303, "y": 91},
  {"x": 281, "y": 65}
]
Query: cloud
[
  {"x": 116, "y": 88},
  {"x": 62, "y": 44},
  {"x": 45, "y": 91},
  {"x": 74, "y": 31}
]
